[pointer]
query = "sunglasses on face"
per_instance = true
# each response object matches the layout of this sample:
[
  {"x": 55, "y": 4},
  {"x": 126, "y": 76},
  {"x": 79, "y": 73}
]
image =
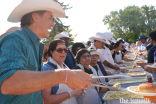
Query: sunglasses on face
[
  {"x": 84, "y": 57},
  {"x": 60, "y": 50}
]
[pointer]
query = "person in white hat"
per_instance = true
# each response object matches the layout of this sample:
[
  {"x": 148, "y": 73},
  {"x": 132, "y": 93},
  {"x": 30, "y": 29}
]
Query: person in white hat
[
  {"x": 63, "y": 36},
  {"x": 105, "y": 57},
  {"x": 99, "y": 39},
  {"x": 21, "y": 56},
  {"x": 69, "y": 61}
]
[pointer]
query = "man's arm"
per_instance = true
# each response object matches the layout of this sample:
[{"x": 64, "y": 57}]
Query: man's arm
[
  {"x": 26, "y": 82},
  {"x": 106, "y": 63}
]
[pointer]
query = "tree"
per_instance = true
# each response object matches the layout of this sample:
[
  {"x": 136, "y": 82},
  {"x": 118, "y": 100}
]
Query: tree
[
  {"x": 59, "y": 26},
  {"x": 131, "y": 22},
  {"x": 66, "y": 30}
]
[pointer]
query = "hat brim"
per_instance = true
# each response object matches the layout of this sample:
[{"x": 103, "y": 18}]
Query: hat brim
[
  {"x": 61, "y": 36},
  {"x": 144, "y": 38},
  {"x": 113, "y": 40},
  {"x": 102, "y": 40},
  {"x": 28, "y": 6},
  {"x": 95, "y": 52}
]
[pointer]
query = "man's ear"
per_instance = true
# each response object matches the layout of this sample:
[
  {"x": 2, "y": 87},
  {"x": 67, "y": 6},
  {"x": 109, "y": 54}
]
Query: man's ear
[{"x": 35, "y": 17}]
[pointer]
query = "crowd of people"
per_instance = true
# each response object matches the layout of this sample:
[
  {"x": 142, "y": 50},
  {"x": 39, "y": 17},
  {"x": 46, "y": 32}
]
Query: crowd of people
[{"x": 34, "y": 73}]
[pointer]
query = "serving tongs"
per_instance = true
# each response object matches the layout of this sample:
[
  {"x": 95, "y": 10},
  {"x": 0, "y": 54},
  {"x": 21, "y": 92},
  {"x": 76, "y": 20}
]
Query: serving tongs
[
  {"x": 105, "y": 86},
  {"x": 111, "y": 76}
]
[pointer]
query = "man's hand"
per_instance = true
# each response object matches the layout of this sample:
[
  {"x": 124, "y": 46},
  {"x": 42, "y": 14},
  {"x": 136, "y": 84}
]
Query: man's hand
[
  {"x": 123, "y": 70},
  {"x": 78, "y": 79},
  {"x": 109, "y": 73}
]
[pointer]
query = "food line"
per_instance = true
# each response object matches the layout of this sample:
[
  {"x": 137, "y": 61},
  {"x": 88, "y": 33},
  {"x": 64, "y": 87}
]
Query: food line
[{"x": 138, "y": 76}]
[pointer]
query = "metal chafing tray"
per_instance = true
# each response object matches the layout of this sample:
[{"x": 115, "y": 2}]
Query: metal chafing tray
[
  {"x": 120, "y": 101},
  {"x": 125, "y": 85}
]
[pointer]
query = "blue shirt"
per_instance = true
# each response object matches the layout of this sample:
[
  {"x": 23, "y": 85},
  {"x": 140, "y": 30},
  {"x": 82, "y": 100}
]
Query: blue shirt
[
  {"x": 70, "y": 61},
  {"x": 20, "y": 50}
]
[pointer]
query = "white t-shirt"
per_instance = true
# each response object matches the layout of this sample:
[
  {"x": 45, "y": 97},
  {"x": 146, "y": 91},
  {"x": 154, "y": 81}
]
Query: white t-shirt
[{"x": 106, "y": 55}]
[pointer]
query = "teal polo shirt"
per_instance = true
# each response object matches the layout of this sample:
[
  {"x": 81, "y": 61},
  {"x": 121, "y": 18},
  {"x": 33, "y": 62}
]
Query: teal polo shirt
[{"x": 20, "y": 50}]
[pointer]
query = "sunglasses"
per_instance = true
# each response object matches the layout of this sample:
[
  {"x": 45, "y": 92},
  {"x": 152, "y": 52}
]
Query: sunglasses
[
  {"x": 60, "y": 50},
  {"x": 84, "y": 57}
]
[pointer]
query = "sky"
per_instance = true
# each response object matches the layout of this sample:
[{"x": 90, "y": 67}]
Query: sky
[{"x": 85, "y": 16}]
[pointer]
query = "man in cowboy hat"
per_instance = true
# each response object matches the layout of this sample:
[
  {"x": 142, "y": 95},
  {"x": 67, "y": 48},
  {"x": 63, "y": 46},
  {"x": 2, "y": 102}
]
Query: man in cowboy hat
[
  {"x": 69, "y": 61},
  {"x": 99, "y": 40},
  {"x": 21, "y": 56}
]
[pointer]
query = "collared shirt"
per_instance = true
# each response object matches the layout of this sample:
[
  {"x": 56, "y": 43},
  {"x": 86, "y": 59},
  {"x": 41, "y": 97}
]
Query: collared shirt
[{"x": 20, "y": 50}]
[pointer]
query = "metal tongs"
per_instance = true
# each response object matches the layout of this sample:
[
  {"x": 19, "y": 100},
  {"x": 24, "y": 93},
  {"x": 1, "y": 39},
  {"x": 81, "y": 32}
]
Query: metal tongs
[
  {"x": 105, "y": 86},
  {"x": 111, "y": 76}
]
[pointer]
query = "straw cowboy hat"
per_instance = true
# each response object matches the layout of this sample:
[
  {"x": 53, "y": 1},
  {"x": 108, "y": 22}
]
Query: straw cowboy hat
[
  {"x": 10, "y": 30},
  {"x": 61, "y": 35},
  {"x": 100, "y": 37},
  {"x": 110, "y": 37},
  {"x": 27, "y": 6}
]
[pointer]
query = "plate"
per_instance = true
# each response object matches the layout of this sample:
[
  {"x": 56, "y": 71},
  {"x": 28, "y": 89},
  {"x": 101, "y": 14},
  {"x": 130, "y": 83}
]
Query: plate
[{"x": 139, "y": 93}]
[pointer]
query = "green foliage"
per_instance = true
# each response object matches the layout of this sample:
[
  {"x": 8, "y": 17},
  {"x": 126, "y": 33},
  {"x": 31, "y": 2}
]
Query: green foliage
[
  {"x": 59, "y": 26},
  {"x": 131, "y": 22}
]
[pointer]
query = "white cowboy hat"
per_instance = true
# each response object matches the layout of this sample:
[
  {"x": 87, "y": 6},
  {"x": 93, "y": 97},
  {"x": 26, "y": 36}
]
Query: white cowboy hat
[
  {"x": 61, "y": 35},
  {"x": 110, "y": 37},
  {"x": 100, "y": 37},
  {"x": 28, "y": 6}
]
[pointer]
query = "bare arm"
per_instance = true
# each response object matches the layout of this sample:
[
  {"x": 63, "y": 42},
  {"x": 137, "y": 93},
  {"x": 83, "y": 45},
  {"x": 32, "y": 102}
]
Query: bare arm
[
  {"x": 106, "y": 63},
  {"x": 104, "y": 90},
  {"x": 26, "y": 82},
  {"x": 54, "y": 99}
]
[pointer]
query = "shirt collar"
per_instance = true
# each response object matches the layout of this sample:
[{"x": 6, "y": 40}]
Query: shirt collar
[
  {"x": 54, "y": 62},
  {"x": 31, "y": 34}
]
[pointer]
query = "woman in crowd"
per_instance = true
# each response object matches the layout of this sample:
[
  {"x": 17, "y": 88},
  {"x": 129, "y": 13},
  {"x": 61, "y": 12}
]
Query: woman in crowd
[
  {"x": 60, "y": 94},
  {"x": 118, "y": 55},
  {"x": 91, "y": 96},
  {"x": 94, "y": 59}
]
